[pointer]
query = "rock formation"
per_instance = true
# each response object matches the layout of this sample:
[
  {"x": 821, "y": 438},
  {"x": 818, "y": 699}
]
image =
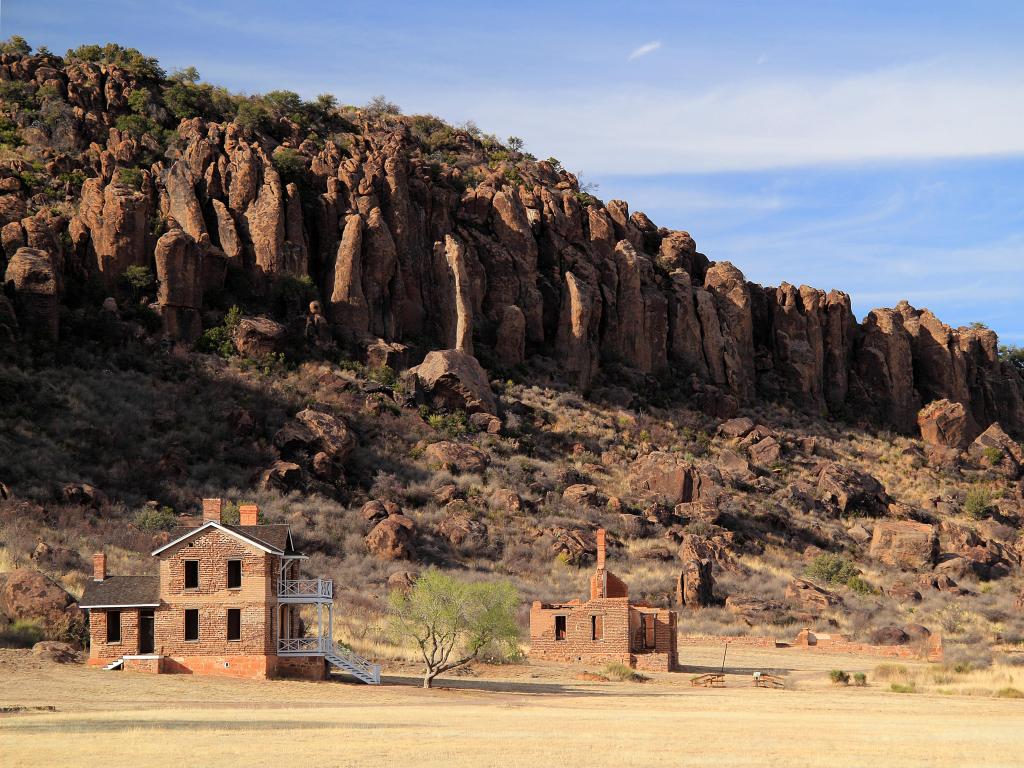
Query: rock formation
[{"x": 464, "y": 257}]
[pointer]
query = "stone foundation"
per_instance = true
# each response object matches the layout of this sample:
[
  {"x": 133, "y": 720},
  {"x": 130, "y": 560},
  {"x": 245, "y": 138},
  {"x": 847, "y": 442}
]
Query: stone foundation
[
  {"x": 224, "y": 666},
  {"x": 302, "y": 667}
]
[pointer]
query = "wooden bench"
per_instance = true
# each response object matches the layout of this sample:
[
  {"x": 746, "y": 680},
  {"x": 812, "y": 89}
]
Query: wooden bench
[
  {"x": 709, "y": 680},
  {"x": 762, "y": 680}
]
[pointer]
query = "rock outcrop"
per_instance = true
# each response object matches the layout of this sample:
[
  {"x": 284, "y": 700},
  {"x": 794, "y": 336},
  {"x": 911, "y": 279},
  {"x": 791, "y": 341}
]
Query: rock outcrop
[
  {"x": 402, "y": 249},
  {"x": 904, "y": 544},
  {"x": 454, "y": 380}
]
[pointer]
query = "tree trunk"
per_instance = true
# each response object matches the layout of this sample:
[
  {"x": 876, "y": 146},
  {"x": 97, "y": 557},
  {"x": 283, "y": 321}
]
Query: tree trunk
[{"x": 428, "y": 679}]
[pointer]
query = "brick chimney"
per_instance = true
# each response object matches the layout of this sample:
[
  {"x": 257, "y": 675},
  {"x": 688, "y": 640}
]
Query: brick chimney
[
  {"x": 99, "y": 566},
  {"x": 600, "y": 549},
  {"x": 248, "y": 514},
  {"x": 211, "y": 510}
]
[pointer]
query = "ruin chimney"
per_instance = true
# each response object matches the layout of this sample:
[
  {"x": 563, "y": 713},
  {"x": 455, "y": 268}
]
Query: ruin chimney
[
  {"x": 99, "y": 566},
  {"x": 600, "y": 549},
  {"x": 211, "y": 510},
  {"x": 248, "y": 514}
]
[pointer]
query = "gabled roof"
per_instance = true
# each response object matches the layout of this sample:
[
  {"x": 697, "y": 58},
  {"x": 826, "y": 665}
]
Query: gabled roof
[
  {"x": 122, "y": 592},
  {"x": 275, "y": 539}
]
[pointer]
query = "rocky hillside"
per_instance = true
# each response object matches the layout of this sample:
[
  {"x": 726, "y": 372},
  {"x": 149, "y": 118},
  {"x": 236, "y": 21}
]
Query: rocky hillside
[{"x": 424, "y": 345}]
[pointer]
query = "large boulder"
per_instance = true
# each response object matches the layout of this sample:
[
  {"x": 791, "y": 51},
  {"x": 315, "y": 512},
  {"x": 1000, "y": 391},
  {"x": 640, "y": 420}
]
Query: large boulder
[
  {"x": 582, "y": 495},
  {"x": 393, "y": 538},
  {"x": 456, "y": 457},
  {"x": 904, "y": 544},
  {"x": 669, "y": 478},
  {"x": 461, "y": 528},
  {"x": 696, "y": 585},
  {"x": 36, "y": 283},
  {"x": 454, "y": 380},
  {"x": 33, "y": 596},
  {"x": 945, "y": 424},
  {"x": 56, "y": 651},
  {"x": 331, "y": 434},
  {"x": 849, "y": 491},
  {"x": 890, "y": 635},
  {"x": 809, "y": 596},
  {"x": 257, "y": 337},
  {"x": 995, "y": 448}
]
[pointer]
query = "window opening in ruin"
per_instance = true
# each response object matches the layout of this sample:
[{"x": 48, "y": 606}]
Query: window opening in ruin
[
  {"x": 559, "y": 627},
  {"x": 113, "y": 626},
  {"x": 234, "y": 623},
  {"x": 597, "y": 627},
  {"x": 191, "y": 574},
  {"x": 234, "y": 574},
  {"x": 192, "y": 624}
]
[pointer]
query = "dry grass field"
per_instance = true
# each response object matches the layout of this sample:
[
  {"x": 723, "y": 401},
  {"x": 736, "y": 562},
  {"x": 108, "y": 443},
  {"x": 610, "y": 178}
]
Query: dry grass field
[{"x": 515, "y": 716}]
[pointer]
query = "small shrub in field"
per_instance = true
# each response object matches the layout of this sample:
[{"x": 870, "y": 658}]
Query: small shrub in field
[
  {"x": 860, "y": 679},
  {"x": 624, "y": 674},
  {"x": 21, "y": 634},
  {"x": 860, "y": 585},
  {"x": 993, "y": 455},
  {"x": 891, "y": 671},
  {"x": 1010, "y": 693},
  {"x": 835, "y": 569},
  {"x": 153, "y": 519},
  {"x": 977, "y": 503},
  {"x": 903, "y": 688},
  {"x": 218, "y": 340},
  {"x": 839, "y": 677}
]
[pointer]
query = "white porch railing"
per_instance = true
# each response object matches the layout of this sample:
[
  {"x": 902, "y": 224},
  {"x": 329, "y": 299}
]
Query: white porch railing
[
  {"x": 306, "y": 588},
  {"x": 304, "y": 646}
]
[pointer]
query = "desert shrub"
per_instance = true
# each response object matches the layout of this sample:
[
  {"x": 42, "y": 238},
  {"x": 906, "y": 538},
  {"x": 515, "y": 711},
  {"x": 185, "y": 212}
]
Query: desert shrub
[
  {"x": 138, "y": 278},
  {"x": 384, "y": 375},
  {"x": 992, "y": 454},
  {"x": 130, "y": 177},
  {"x": 290, "y": 164},
  {"x": 903, "y": 687},
  {"x": 129, "y": 59},
  {"x": 834, "y": 569},
  {"x": 9, "y": 133},
  {"x": 892, "y": 672},
  {"x": 218, "y": 340},
  {"x": 156, "y": 519},
  {"x": 67, "y": 629},
  {"x": 839, "y": 677},
  {"x": 453, "y": 425},
  {"x": 861, "y": 585},
  {"x": 379, "y": 106},
  {"x": 978, "y": 502},
  {"x": 1009, "y": 693},
  {"x": 952, "y": 619},
  {"x": 16, "y": 44},
  {"x": 139, "y": 99},
  {"x": 21, "y": 634},
  {"x": 860, "y": 679},
  {"x": 1012, "y": 354},
  {"x": 624, "y": 674}
]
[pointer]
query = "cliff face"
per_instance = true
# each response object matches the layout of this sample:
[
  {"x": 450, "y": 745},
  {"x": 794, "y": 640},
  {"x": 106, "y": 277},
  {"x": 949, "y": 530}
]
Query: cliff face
[{"x": 491, "y": 253}]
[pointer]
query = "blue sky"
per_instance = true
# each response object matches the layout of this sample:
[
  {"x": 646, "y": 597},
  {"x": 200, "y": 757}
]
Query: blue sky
[{"x": 875, "y": 147}]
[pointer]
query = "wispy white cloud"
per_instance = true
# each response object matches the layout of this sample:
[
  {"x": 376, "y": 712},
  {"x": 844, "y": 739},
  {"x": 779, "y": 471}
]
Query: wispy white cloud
[
  {"x": 923, "y": 112},
  {"x": 645, "y": 49}
]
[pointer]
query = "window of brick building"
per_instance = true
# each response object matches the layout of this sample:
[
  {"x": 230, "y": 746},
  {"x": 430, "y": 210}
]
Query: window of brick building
[
  {"x": 192, "y": 624},
  {"x": 234, "y": 623},
  {"x": 234, "y": 574},
  {"x": 597, "y": 627},
  {"x": 648, "y": 630},
  {"x": 191, "y": 574},
  {"x": 113, "y": 626},
  {"x": 559, "y": 627}
]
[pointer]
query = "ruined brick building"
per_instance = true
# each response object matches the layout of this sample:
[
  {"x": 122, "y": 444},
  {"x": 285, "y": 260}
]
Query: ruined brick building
[
  {"x": 226, "y": 600},
  {"x": 606, "y": 628}
]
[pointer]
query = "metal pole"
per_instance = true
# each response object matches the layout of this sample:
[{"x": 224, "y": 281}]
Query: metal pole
[{"x": 723, "y": 657}]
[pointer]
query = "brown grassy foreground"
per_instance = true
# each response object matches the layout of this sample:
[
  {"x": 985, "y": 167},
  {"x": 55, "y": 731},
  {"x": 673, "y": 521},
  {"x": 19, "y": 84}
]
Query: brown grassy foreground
[{"x": 523, "y": 716}]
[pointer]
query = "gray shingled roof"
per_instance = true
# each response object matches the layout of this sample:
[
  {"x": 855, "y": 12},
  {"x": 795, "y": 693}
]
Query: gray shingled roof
[
  {"x": 122, "y": 591},
  {"x": 274, "y": 536}
]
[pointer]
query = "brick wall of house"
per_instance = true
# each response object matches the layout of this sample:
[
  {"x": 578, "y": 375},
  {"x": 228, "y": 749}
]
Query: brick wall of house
[
  {"x": 152, "y": 665},
  {"x": 256, "y": 598},
  {"x": 260, "y": 665},
  {"x": 302, "y": 667},
  {"x": 102, "y": 652},
  {"x": 579, "y": 644}
]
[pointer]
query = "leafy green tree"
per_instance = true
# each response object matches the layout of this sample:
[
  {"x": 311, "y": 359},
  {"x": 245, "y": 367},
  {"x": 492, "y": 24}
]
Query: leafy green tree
[
  {"x": 1012, "y": 354},
  {"x": 253, "y": 115},
  {"x": 138, "y": 278},
  {"x": 138, "y": 100},
  {"x": 16, "y": 44},
  {"x": 186, "y": 75},
  {"x": 452, "y": 621}
]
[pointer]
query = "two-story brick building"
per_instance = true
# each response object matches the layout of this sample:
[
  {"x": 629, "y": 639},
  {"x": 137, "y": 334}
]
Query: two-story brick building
[
  {"x": 226, "y": 600},
  {"x": 606, "y": 628}
]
